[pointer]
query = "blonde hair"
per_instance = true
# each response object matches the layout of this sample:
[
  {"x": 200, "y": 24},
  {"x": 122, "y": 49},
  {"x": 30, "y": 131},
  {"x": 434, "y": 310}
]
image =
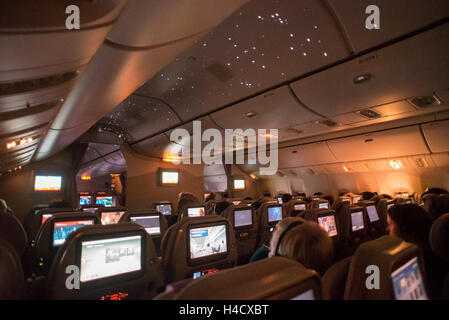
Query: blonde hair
[{"x": 309, "y": 245}]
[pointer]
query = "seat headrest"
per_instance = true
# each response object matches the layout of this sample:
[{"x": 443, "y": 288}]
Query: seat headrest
[
  {"x": 439, "y": 237},
  {"x": 273, "y": 278},
  {"x": 384, "y": 264},
  {"x": 11, "y": 230},
  {"x": 12, "y": 284},
  {"x": 91, "y": 249}
]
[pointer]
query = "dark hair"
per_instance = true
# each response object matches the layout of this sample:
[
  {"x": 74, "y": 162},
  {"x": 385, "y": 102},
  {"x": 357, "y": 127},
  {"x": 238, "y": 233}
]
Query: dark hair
[
  {"x": 211, "y": 196},
  {"x": 436, "y": 205},
  {"x": 386, "y": 196},
  {"x": 286, "y": 197},
  {"x": 317, "y": 193},
  {"x": 247, "y": 198},
  {"x": 367, "y": 195},
  {"x": 256, "y": 204},
  {"x": 413, "y": 223},
  {"x": 267, "y": 194},
  {"x": 435, "y": 191},
  {"x": 221, "y": 206},
  {"x": 330, "y": 199},
  {"x": 59, "y": 204}
]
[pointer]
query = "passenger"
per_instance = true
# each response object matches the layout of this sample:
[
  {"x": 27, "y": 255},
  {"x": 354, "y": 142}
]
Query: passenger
[
  {"x": 211, "y": 196},
  {"x": 412, "y": 223},
  {"x": 386, "y": 196},
  {"x": 286, "y": 197},
  {"x": 247, "y": 198},
  {"x": 256, "y": 204},
  {"x": 221, "y": 206},
  {"x": 330, "y": 199},
  {"x": 436, "y": 205},
  {"x": 185, "y": 199},
  {"x": 366, "y": 195},
  {"x": 59, "y": 204},
  {"x": 306, "y": 243},
  {"x": 437, "y": 191}
]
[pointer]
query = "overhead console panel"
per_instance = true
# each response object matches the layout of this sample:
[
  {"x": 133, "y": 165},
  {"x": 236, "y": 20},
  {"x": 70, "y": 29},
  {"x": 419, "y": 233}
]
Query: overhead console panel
[{"x": 403, "y": 70}]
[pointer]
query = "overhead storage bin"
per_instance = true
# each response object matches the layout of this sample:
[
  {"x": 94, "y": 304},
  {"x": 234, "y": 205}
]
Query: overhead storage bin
[
  {"x": 437, "y": 135},
  {"x": 305, "y": 155},
  {"x": 384, "y": 144},
  {"x": 412, "y": 67}
]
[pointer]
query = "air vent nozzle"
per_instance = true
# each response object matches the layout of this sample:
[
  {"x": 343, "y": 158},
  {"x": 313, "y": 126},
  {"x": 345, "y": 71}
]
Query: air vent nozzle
[
  {"x": 370, "y": 114},
  {"x": 328, "y": 123}
]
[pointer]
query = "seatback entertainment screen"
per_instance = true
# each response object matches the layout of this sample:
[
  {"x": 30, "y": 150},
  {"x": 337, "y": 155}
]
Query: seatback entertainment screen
[
  {"x": 165, "y": 209},
  {"x": 328, "y": 224},
  {"x": 62, "y": 229},
  {"x": 300, "y": 207},
  {"x": 106, "y": 201},
  {"x": 243, "y": 218},
  {"x": 208, "y": 241},
  {"x": 372, "y": 213},
  {"x": 169, "y": 177},
  {"x": 323, "y": 205},
  {"x": 111, "y": 217},
  {"x": 110, "y": 257},
  {"x": 45, "y": 217},
  {"x": 196, "y": 212},
  {"x": 85, "y": 200},
  {"x": 357, "y": 221},
  {"x": 47, "y": 183},
  {"x": 151, "y": 224},
  {"x": 408, "y": 282},
  {"x": 274, "y": 214}
]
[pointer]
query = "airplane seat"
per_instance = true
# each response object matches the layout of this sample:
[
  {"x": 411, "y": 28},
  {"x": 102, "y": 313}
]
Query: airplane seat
[
  {"x": 269, "y": 214},
  {"x": 376, "y": 222},
  {"x": 110, "y": 215},
  {"x": 12, "y": 281},
  {"x": 153, "y": 221},
  {"x": 244, "y": 220},
  {"x": 92, "y": 208},
  {"x": 295, "y": 207},
  {"x": 386, "y": 268},
  {"x": 38, "y": 218},
  {"x": 319, "y": 204},
  {"x": 84, "y": 258},
  {"x": 352, "y": 222},
  {"x": 198, "y": 245},
  {"x": 334, "y": 280},
  {"x": 276, "y": 278},
  {"x": 52, "y": 235},
  {"x": 439, "y": 243},
  {"x": 12, "y": 230}
]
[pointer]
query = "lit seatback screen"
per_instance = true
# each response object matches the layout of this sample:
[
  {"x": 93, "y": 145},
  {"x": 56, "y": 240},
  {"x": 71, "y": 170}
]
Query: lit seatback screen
[
  {"x": 106, "y": 201},
  {"x": 300, "y": 207},
  {"x": 328, "y": 224},
  {"x": 110, "y": 257},
  {"x": 307, "y": 295},
  {"x": 111, "y": 217},
  {"x": 62, "y": 229},
  {"x": 151, "y": 224},
  {"x": 274, "y": 214},
  {"x": 357, "y": 221},
  {"x": 165, "y": 209},
  {"x": 47, "y": 183},
  {"x": 372, "y": 213},
  {"x": 85, "y": 200},
  {"x": 408, "y": 282},
  {"x": 196, "y": 212},
  {"x": 243, "y": 218},
  {"x": 208, "y": 241},
  {"x": 323, "y": 205}
]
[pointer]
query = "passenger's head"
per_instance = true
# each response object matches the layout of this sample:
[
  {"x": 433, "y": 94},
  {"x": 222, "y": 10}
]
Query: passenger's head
[
  {"x": 386, "y": 196},
  {"x": 59, "y": 204},
  {"x": 368, "y": 195},
  {"x": 256, "y": 204},
  {"x": 330, "y": 199},
  {"x": 305, "y": 242},
  {"x": 221, "y": 206},
  {"x": 436, "y": 205},
  {"x": 267, "y": 194},
  {"x": 186, "y": 199},
  {"x": 409, "y": 222},
  {"x": 286, "y": 197},
  {"x": 211, "y": 196},
  {"x": 247, "y": 198},
  {"x": 435, "y": 191}
]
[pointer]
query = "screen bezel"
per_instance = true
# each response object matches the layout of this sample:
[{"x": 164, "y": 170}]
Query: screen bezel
[
  {"x": 159, "y": 177},
  {"x": 210, "y": 258},
  {"x": 147, "y": 216},
  {"x": 103, "y": 282},
  {"x": 57, "y": 220},
  {"x": 268, "y": 216},
  {"x": 246, "y": 226}
]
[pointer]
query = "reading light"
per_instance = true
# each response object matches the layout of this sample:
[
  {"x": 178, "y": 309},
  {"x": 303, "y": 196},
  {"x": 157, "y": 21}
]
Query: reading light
[
  {"x": 168, "y": 157},
  {"x": 252, "y": 175},
  {"x": 362, "y": 78},
  {"x": 11, "y": 145},
  {"x": 85, "y": 177},
  {"x": 346, "y": 168},
  {"x": 26, "y": 140},
  {"x": 396, "y": 164},
  {"x": 250, "y": 114}
]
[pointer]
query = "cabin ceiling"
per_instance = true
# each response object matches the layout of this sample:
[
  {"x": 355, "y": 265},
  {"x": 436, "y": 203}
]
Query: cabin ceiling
[{"x": 292, "y": 63}]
